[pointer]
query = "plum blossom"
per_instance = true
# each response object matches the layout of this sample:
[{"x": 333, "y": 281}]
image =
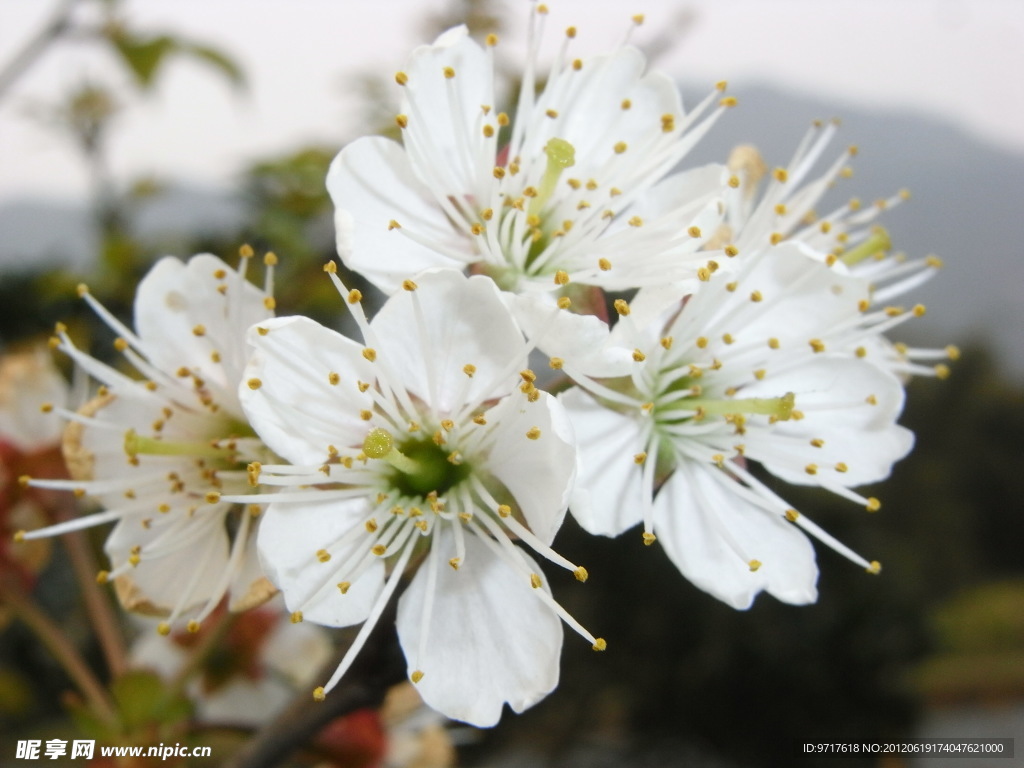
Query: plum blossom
[
  {"x": 751, "y": 369},
  {"x": 426, "y": 444},
  {"x": 578, "y": 183},
  {"x": 157, "y": 452}
]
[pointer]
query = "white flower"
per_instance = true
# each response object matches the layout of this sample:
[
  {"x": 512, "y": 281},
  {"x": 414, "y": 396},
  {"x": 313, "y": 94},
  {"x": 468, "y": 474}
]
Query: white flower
[
  {"x": 269, "y": 660},
  {"x": 785, "y": 209},
  {"x": 30, "y": 385},
  {"x": 423, "y": 443},
  {"x": 157, "y": 453},
  {"x": 577, "y": 184},
  {"x": 756, "y": 369}
]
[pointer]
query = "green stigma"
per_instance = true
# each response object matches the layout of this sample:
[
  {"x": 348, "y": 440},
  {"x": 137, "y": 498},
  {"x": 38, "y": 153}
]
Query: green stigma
[
  {"x": 878, "y": 242},
  {"x": 561, "y": 155},
  {"x": 779, "y": 407},
  {"x": 135, "y": 444},
  {"x": 421, "y": 466}
]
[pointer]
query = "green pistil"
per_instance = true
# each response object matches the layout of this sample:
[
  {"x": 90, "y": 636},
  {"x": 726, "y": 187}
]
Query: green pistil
[
  {"x": 380, "y": 445},
  {"x": 561, "y": 155},
  {"x": 421, "y": 466},
  {"x": 779, "y": 407},
  {"x": 878, "y": 242},
  {"x": 135, "y": 444}
]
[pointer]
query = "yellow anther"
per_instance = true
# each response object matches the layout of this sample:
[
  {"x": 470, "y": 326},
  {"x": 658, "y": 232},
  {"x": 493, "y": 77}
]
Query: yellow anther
[
  {"x": 754, "y": 565},
  {"x": 811, "y": 469},
  {"x": 842, "y": 467},
  {"x": 449, "y": 73},
  {"x": 874, "y": 568},
  {"x": 649, "y": 538},
  {"x": 378, "y": 550},
  {"x": 552, "y": 113},
  {"x": 756, "y": 296},
  {"x": 621, "y": 306},
  {"x": 319, "y": 694},
  {"x": 873, "y": 505},
  {"x": 919, "y": 310},
  {"x": 934, "y": 262},
  {"x": 163, "y": 628},
  {"x": 454, "y": 563},
  {"x": 199, "y": 330},
  {"x": 817, "y": 345},
  {"x": 561, "y": 277},
  {"x": 693, "y": 231},
  {"x": 620, "y": 147},
  {"x": 343, "y": 586},
  {"x": 212, "y": 497},
  {"x": 668, "y": 123},
  {"x": 577, "y": 64},
  {"x": 639, "y": 356},
  {"x": 370, "y": 354},
  {"x": 535, "y": 581},
  {"x": 416, "y": 675},
  {"x": 792, "y": 515},
  {"x": 103, "y": 577},
  {"x": 491, "y": 40},
  {"x": 640, "y": 458},
  {"x": 245, "y": 251},
  {"x": 533, "y": 433},
  {"x": 564, "y": 302},
  {"x": 818, "y": 442},
  {"x": 254, "y": 384},
  {"x": 728, "y": 101},
  {"x": 626, "y": 104},
  {"x": 942, "y": 371},
  {"x": 666, "y": 342},
  {"x": 401, "y": 78}
]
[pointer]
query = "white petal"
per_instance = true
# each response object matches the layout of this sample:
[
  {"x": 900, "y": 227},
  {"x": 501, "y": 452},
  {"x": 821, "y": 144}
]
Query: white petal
[
  {"x": 444, "y": 132},
  {"x": 582, "y": 341},
  {"x": 291, "y": 536},
  {"x": 491, "y": 640},
  {"x": 458, "y": 321},
  {"x": 28, "y": 380},
  {"x": 832, "y": 394},
  {"x": 174, "y": 300},
  {"x": 608, "y": 497},
  {"x": 372, "y": 184},
  {"x": 538, "y": 473},
  {"x": 158, "y": 583},
  {"x": 592, "y": 119},
  {"x": 294, "y": 407},
  {"x": 696, "y": 515}
]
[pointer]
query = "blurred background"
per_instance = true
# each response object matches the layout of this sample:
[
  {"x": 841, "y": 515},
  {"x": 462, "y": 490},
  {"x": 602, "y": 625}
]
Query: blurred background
[{"x": 132, "y": 129}]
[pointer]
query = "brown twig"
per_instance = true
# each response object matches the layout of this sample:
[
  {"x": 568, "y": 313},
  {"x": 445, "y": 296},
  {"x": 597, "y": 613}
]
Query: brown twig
[
  {"x": 57, "y": 25},
  {"x": 62, "y": 649}
]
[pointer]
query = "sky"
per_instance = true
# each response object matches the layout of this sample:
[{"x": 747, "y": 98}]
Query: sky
[{"x": 958, "y": 60}]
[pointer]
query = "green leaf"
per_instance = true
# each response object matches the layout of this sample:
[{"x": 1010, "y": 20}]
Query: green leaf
[
  {"x": 144, "y": 56},
  {"x": 144, "y": 699},
  {"x": 218, "y": 60}
]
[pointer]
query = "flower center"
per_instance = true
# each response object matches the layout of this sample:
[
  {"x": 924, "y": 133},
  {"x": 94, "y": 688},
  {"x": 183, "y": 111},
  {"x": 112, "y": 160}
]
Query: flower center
[{"x": 419, "y": 466}]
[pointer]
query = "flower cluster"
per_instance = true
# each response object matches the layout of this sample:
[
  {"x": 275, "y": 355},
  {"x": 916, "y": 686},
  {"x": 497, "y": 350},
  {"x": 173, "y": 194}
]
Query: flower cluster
[{"x": 745, "y": 338}]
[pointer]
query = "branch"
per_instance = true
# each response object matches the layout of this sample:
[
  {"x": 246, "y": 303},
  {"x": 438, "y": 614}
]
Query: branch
[{"x": 58, "y": 24}]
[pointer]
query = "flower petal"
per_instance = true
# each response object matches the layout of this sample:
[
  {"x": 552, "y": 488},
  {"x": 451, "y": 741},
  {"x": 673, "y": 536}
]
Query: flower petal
[
  {"x": 444, "y": 134},
  {"x": 490, "y": 639},
  {"x": 291, "y": 539},
  {"x": 372, "y": 184},
  {"x": 288, "y": 394},
  {"x": 183, "y": 319},
  {"x": 711, "y": 534},
  {"x": 158, "y": 583},
  {"x": 538, "y": 473},
  {"x": 608, "y": 491},
  {"x": 832, "y": 394},
  {"x": 428, "y": 336}
]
